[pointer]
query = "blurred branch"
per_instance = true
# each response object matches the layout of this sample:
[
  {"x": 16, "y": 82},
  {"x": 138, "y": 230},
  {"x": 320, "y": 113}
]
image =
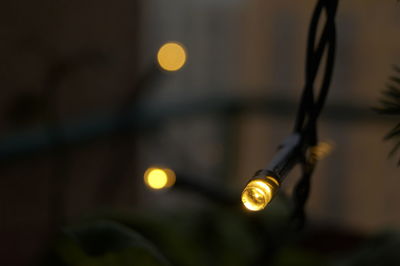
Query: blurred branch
[
  {"x": 147, "y": 117},
  {"x": 390, "y": 106},
  {"x": 214, "y": 192}
]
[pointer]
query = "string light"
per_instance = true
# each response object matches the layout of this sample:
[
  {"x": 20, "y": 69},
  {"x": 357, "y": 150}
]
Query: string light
[
  {"x": 301, "y": 147},
  {"x": 265, "y": 183},
  {"x": 259, "y": 192},
  {"x": 171, "y": 56},
  {"x": 159, "y": 178}
]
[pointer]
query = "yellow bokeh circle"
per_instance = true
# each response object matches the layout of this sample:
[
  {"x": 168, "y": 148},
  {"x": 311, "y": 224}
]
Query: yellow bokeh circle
[
  {"x": 171, "y": 56},
  {"x": 159, "y": 178}
]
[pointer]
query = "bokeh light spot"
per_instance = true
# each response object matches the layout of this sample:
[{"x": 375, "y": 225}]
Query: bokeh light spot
[
  {"x": 158, "y": 178},
  {"x": 171, "y": 56}
]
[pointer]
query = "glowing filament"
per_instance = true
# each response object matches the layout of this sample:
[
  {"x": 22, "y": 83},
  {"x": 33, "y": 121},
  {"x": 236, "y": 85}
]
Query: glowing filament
[
  {"x": 158, "y": 178},
  {"x": 258, "y": 193},
  {"x": 171, "y": 56}
]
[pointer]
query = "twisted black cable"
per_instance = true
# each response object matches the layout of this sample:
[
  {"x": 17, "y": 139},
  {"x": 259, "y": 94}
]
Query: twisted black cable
[
  {"x": 310, "y": 107},
  {"x": 313, "y": 62},
  {"x": 296, "y": 148}
]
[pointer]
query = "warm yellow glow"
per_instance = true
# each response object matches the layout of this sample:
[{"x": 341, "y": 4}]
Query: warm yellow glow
[
  {"x": 171, "y": 56},
  {"x": 320, "y": 151},
  {"x": 158, "y": 178},
  {"x": 258, "y": 193}
]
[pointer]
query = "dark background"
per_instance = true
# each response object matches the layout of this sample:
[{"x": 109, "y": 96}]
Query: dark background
[{"x": 69, "y": 68}]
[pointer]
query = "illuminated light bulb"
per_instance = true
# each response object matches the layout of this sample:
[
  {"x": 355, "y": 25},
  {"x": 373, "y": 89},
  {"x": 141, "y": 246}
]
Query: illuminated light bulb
[
  {"x": 259, "y": 192},
  {"x": 171, "y": 56},
  {"x": 159, "y": 178}
]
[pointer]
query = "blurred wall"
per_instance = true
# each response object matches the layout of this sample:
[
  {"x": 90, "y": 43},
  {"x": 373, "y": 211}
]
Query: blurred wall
[
  {"x": 237, "y": 49},
  {"x": 255, "y": 49},
  {"x": 59, "y": 60}
]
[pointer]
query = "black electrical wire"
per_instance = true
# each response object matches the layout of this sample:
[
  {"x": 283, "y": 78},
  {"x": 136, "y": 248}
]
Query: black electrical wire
[
  {"x": 310, "y": 108},
  {"x": 295, "y": 149},
  {"x": 298, "y": 147}
]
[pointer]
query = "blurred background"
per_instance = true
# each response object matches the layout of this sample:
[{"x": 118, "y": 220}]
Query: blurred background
[{"x": 84, "y": 112}]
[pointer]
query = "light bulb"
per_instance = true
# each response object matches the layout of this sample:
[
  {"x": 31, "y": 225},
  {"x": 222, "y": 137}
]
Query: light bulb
[
  {"x": 159, "y": 178},
  {"x": 259, "y": 192},
  {"x": 171, "y": 56}
]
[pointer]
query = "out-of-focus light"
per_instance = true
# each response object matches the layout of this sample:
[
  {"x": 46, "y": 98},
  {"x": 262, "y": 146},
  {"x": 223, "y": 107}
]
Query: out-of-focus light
[
  {"x": 159, "y": 178},
  {"x": 320, "y": 151},
  {"x": 259, "y": 192},
  {"x": 171, "y": 56}
]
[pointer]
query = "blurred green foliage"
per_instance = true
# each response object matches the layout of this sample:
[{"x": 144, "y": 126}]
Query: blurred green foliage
[{"x": 207, "y": 236}]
